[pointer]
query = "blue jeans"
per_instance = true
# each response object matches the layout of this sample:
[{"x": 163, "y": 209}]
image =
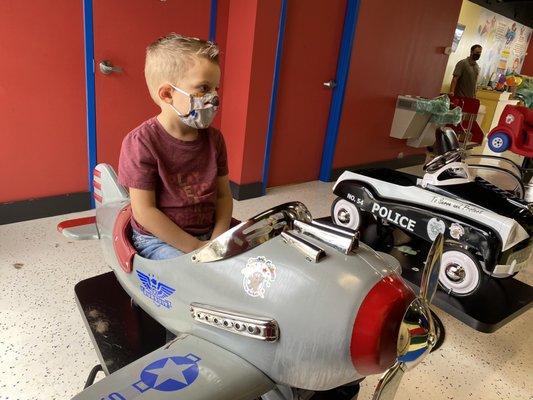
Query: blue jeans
[{"x": 151, "y": 247}]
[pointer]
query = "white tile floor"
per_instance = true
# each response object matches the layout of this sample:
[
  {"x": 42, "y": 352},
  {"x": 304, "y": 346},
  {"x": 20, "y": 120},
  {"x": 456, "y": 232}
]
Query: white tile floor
[{"x": 46, "y": 353}]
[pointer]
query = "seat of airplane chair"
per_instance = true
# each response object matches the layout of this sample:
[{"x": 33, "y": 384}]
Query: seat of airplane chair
[
  {"x": 122, "y": 231},
  {"x": 122, "y": 245}
]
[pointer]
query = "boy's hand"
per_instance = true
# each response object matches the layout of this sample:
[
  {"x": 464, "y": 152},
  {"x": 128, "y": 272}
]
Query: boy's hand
[{"x": 147, "y": 214}]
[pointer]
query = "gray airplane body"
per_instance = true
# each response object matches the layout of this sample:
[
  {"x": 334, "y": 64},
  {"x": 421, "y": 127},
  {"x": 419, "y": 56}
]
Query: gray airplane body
[{"x": 278, "y": 305}]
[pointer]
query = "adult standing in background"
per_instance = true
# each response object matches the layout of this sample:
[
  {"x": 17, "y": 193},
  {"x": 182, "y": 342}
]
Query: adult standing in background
[{"x": 465, "y": 74}]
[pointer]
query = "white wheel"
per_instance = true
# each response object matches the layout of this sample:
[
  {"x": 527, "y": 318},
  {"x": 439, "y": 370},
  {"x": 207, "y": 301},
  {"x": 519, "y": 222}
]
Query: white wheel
[
  {"x": 497, "y": 143},
  {"x": 459, "y": 272},
  {"x": 346, "y": 214}
]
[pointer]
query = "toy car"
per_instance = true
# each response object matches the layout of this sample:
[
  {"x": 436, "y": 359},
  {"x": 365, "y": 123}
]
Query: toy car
[
  {"x": 278, "y": 306},
  {"x": 514, "y": 131},
  {"x": 499, "y": 171},
  {"x": 487, "y": 230}
]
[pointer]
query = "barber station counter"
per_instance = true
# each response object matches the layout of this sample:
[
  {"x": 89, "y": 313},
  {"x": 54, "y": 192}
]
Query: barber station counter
[{"x": 494, "y": 103}]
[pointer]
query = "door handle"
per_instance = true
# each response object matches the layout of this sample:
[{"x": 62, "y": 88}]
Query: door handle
[
  {"x": 107, "y": 67},
  {"x": 330, "y": 84}
]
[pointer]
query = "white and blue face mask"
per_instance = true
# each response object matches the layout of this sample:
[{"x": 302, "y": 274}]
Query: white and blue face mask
[{"x": 202, "y": 109}]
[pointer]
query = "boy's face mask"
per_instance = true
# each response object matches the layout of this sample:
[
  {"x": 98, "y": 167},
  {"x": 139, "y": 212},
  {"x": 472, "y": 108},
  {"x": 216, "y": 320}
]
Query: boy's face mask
[{"x": 202, "y": 109}]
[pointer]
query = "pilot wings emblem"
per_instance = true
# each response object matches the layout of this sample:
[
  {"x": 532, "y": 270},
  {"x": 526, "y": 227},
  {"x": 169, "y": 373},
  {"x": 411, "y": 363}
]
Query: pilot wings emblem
[{"x": 155, "y": 290}]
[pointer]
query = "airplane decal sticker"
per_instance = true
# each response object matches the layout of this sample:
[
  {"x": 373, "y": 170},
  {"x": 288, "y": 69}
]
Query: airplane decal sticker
[
  {"x": 259, "y": 273},
  {"x": 171, "y": 373},
  {"x": 155, "y": 290},
  {"x": 168, "y": 374}
]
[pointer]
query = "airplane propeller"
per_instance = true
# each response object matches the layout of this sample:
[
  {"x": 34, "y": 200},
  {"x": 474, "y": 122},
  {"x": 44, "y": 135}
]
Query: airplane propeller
[{"x": 418, "y": 334}]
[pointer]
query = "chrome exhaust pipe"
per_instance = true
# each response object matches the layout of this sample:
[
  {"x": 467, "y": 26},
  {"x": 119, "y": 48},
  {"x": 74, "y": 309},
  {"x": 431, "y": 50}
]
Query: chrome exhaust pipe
[{"x": 342, "y": 242}]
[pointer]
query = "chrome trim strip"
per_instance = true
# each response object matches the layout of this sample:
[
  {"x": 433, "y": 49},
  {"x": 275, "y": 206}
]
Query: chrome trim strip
[
  {"x": 337, "y": 228},
  {"x": 260, "y": 328},
  {"x": 311, "y": 252},
  {"x": 338, "y": 241},
  {"x": 252, "y": 233}
]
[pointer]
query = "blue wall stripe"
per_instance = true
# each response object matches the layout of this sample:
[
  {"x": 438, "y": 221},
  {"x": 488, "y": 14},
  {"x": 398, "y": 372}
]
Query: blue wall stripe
[
  {"x": 89, "y": 90},
  {"x": 343, "y": 68},
  {"x": 213, "y": 21},
  {"x": 274, "y": 94}
]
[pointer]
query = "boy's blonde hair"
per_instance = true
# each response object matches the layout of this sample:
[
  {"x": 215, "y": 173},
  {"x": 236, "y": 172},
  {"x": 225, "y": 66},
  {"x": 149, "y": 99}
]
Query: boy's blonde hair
[{"x": 170, "y": 56}]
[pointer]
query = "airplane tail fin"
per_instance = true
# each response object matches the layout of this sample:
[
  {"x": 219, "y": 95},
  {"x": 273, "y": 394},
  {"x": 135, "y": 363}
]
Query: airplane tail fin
[
  {"x": 106, "y": 189},
  {"x": 106, "y": 186}
]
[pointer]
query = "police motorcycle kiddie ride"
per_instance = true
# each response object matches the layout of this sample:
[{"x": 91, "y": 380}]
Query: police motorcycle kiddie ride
[
  {"x": 487, "y": 230},
  {"x": 279, "y": 306}
]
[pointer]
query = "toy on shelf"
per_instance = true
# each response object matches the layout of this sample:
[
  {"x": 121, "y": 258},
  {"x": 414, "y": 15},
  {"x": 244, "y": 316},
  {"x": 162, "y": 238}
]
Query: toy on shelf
[{"x": 514, "y": 131}]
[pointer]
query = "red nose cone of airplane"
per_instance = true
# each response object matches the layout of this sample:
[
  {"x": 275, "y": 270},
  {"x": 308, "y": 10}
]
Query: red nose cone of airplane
[{"x": 377, "y": 324}]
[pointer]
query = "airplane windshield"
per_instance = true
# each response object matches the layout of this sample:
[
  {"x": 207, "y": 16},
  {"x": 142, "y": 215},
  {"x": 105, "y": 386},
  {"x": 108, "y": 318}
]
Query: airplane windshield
[{"x": 253, "y": 232}]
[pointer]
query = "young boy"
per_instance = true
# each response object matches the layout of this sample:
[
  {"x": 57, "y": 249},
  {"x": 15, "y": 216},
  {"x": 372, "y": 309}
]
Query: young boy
[{"x": 174, "y": 164}]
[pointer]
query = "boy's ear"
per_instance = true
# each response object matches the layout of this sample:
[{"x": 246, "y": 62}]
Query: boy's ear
[{"x": 165, "y": 93}]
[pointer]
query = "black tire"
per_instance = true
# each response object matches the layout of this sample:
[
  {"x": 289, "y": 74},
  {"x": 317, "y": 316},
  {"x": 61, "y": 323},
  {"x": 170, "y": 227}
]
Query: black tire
[{"x": 460, "y": 272}]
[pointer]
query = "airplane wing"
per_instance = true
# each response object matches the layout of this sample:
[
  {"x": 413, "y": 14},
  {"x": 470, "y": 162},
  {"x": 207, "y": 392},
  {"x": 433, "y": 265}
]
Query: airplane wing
[
  {"x": 79, "y": 228},
  {"x": 187, "y": 368}
]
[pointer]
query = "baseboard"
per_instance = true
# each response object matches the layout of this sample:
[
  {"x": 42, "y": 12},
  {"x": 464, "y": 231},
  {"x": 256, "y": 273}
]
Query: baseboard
[
  {"x": 24, "y": 210},
  {"x": 395, "y": 163},
  {"x": 255, "y": 189},
  {"x": 246, "y": 191}
]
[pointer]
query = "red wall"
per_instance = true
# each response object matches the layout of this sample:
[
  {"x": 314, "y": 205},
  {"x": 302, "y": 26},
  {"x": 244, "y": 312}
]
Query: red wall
[
  {"x": 42, "y": 99},
  {"x": 249, "y": 65},
  {"x": 122, "y": 30},
  {"x": 527, "y": 67},
  {"x": 303, "y": 102},
  {"x": 221, "y": 37},
  {"x": 397, "y": 50},
  {"x": 42, "y": 94}
]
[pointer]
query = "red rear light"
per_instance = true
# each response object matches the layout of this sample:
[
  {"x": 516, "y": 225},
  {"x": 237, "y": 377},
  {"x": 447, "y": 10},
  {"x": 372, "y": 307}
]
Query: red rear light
[{"x": 377, "y": 324}]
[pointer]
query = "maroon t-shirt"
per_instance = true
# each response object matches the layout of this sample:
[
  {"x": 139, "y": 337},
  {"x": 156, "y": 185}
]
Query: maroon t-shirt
[{"x": 183, "y": 174}]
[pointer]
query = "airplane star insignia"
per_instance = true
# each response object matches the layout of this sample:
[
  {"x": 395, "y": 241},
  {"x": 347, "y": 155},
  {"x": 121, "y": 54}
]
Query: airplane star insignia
[{"x": 171, "y": 370}]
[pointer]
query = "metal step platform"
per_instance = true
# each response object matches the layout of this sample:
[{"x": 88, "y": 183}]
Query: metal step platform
[{"x": 120, "y": 331}]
